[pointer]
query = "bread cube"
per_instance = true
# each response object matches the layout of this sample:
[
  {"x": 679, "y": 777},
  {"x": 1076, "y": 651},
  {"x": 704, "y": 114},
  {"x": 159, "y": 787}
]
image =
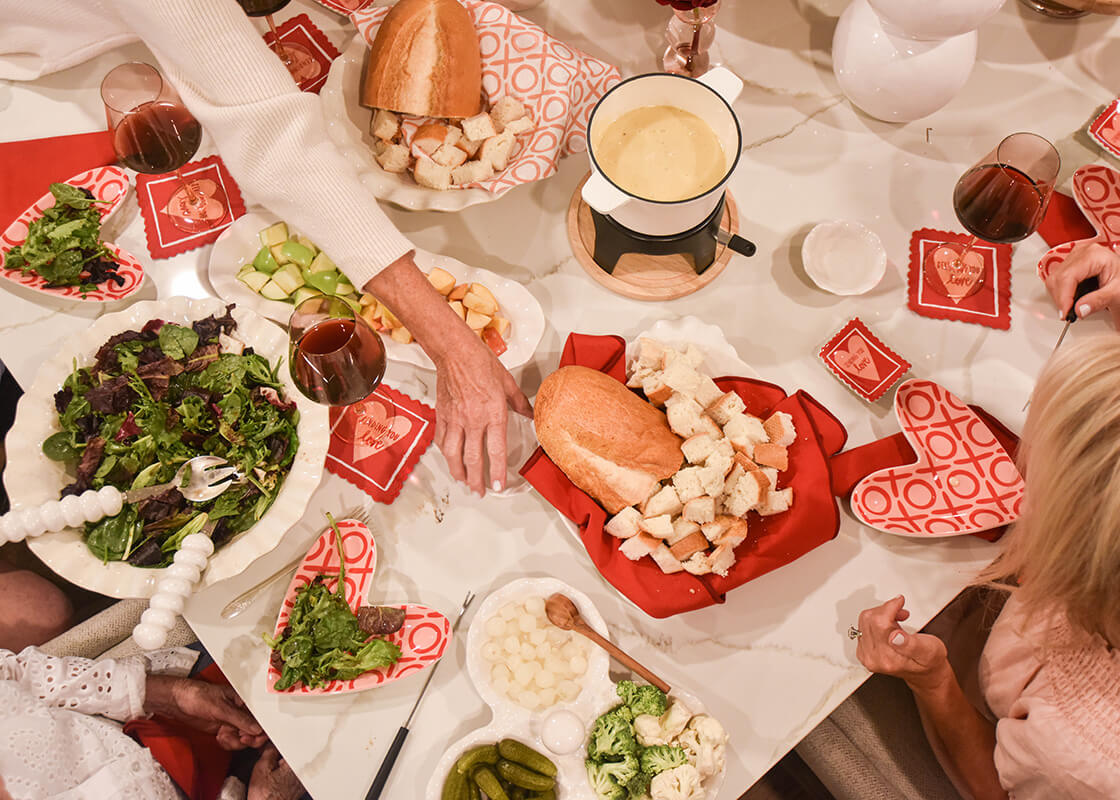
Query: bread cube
[
  {"x": 641, "y": 545},
  {"x": 776, "y": 502},
  {"x": 378, "y": 147},
  {"x": 708, "y": 425},
  {"x": 385, "y": 125},
  {"x": 680, "y": 377},
  {"x": 735, "y": 534},
  {"x": 721, "y": 457},
  {"x": 700, "y": 510},
  {"x": 689, "y": 356},
  {"x": 771, "y": 476},
  {"x": 707, "y": 392},
  {"x": 431, "y": 137},
  {"x": 624, "y": 524},
  {"x": 746, "y": 494},
  {"x": 664, "y": 501},
  {"x": 660, "y": 526},
  {"x": 506, "y": 111},
  {"x": 637, "y": 375},
  {"x": 717, "y": 527},
  {"x": 698, "y": 564},
  {"x": 469, "y": 146},
  {"x": 779, "y": 428},
  {"x": 744, "y": 431},
  {"x": 449, "y": 156},
  {"x": 721, "y": 560},
  {"x": 683, "y": 415},
  {"x": 733, "y": 477},
  {"x": 697, "y": 448},
  {"x": 744, "y": 461},
  {"x": 655, "y": 390},
  {"x": 496, "y": 151},
  {"x": 666, "y": 560},
  {"x": 771, "y": 455},
  {"x": 681, "y": 528},
  {"x": 472, "y": 172},
  {"x": 432, "y": 175},
  {"x": 519, "y": 126},
  {"x": 394, "y": 158},
  {"x": 727, "y": 406},
  {"x": 689, "y": 545},
  {"x": 688, "y": 484},
  {"x": 479, "y": 127},
  {"x": 650, "y": 353},
  {"x": 712, "y": 480}
]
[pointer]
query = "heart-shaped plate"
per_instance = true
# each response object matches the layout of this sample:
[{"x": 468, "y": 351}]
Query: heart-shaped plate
[
  {"x": 963, "y": 481},
  {"x": 423, "y": 638},
  {"x": 1096, "y": 188},
  {"x": 106, "y": 183}
]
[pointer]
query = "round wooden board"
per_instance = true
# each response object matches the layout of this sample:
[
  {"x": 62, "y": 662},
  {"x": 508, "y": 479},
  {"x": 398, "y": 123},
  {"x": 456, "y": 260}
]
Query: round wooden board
[{"x": 644, "y": 277}]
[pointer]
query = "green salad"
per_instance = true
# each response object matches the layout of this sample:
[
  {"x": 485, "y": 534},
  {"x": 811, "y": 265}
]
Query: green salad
[
  {"x": 326, "y": 641},
  {"x": 155, "y": 398}
]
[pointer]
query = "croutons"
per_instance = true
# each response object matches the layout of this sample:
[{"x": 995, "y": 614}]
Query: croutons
[
  {"x": 449, "y": 155},
  {"x": 660, "y": 526},
  {"x": 641, "y": 545},
  {"x": 700, "y": 509},
  {"x": 779, "y": 428},
  {"x": 429, "y": 173},
  {"x": 385, "y": 125},
  {"x": 431, "y": 137},
  {"x": 471, "y": 172},
  {"x": 727, "y": 406},
  {"x": 655, "y": 390},
  {"x": 665, "y": 501},
  {"x": 771, "y": 455},
  {"x": 394, "y": 158},
  {"x": 681, "y": 528},
  {"x": 496, "y": 151},
  {"x": 624, "y": 524},
  {"x": 666, "y": 560},
  {"x": 686, "y": 547},
  {"x": 744, "y": 432},
  {"x": 479, "y": 127},
  {"x": 697, "y": 448},
  {"x": 506, "y": 111}
]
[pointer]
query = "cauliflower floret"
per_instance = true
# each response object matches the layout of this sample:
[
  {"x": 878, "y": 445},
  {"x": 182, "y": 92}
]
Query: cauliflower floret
[
  {"x": 704, "y": 742},
  {"x": 675, "y": 719},
  {"x": 648, "y": 729},
  {"x": 678, "y": 783}
]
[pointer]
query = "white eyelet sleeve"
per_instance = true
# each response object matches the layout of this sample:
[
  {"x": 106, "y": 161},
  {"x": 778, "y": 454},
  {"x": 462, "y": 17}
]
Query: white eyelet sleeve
[{"x": 108, "y": 688}]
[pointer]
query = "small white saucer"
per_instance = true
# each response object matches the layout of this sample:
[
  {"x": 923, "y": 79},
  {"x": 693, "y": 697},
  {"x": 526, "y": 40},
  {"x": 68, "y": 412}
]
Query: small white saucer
[{"x": 844, "y": 257}]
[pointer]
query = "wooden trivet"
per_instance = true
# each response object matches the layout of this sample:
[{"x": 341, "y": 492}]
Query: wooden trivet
[{"x": 639, "y": 276}]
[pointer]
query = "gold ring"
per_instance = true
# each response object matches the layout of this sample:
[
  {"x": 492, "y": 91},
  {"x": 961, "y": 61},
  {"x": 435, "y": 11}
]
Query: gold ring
[{"x": 854, "y": 632}]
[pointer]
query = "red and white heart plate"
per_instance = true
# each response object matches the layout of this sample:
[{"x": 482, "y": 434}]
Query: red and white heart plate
[
  {"x": 1096, "y": 188},
  {"x": 423, "y": 638},
  {"x": 963, "y": 481},
  {"x": 106, "y": 183}
]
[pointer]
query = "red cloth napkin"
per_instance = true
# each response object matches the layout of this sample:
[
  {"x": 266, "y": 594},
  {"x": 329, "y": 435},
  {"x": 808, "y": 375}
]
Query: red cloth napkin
[
  {"x": 773, "y": 541},
  {"x": 28, "y": 167},
  {"x": 1064, "y": 221},
  {"x": 852, "y": 466},
  {"x": 194, "y": 760}
]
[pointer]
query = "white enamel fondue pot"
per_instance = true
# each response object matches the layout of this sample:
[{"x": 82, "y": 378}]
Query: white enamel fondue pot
[{"x": 710, "y": 98}]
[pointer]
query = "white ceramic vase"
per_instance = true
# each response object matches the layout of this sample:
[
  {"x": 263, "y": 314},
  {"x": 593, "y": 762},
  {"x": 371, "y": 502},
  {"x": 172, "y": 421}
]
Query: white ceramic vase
[{"x": 901, "y": 60}]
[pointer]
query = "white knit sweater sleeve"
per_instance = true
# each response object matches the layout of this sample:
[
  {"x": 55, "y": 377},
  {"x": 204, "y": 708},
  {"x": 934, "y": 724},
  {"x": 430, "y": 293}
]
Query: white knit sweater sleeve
[
  {"x": 109, "y": 688},
  {"x": 271, "y": 135}
]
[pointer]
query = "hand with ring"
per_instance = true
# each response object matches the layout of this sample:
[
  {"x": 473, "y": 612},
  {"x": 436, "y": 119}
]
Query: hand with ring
[{"x": 882, "y": 646}]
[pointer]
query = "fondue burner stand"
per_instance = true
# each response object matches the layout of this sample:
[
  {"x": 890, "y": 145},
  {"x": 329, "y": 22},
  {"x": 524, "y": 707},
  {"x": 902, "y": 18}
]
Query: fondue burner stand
[{"x": 647, "y": 267}]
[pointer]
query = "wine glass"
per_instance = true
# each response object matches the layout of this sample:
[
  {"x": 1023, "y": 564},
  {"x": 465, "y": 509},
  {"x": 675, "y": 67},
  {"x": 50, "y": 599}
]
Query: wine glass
[
  {"x": 266, "y": 8},
  {"x": 154, "y": 133},
  {"x": 1002, "y": 198}
]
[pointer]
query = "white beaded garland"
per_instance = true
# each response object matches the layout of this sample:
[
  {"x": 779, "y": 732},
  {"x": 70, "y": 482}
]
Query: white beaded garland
[
  {"x": 199, "y": 543},
  {"x": 160, "y": 617},
  {"x": 148, "y": 636},
  {"x": 168, "y": 602},
  {"x": 186, "y": 572}
]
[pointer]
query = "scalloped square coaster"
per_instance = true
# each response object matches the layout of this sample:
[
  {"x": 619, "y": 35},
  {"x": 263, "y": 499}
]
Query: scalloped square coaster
[
  {"x": 990, "y": 305},
  {"x": 160, "y": 196},
  {"x": 862, "y": 361},
  {"x": 376, "y": 443},
  {"x": 310, "y": 50},
  {"x": 1105, "y": 129}
]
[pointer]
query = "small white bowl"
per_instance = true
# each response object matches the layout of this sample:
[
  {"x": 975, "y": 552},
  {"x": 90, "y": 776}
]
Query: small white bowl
[{"x": 844, "y": 257}]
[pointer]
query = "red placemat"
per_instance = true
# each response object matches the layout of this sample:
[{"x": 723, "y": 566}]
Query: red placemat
[
  {"x": 1105, "y": 129},
  {"x": 376, "y": 443},
  {"x": 29, "y": 167},
  {"x": 862, "y": 361},
  {"x": 160, "y": 195},
  {"x": 310, "y": 50},
  {"x": 990, "y": 306},
  {"x": 772, "y": 542}
]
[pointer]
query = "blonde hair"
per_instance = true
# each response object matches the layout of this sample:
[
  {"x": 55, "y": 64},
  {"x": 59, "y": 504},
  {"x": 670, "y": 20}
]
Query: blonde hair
[{"x": 1065, "y": 549}]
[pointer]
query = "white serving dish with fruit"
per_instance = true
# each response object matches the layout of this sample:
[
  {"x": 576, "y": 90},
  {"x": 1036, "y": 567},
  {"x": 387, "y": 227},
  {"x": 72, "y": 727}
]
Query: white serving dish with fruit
[{"x": 240, "y": 269}]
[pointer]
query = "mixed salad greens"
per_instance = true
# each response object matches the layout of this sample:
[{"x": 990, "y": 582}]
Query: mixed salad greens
[
  {"x": 63, "y": 245},
  {"x": 648, "y": 747},
  {"x": 155, "y": 398},
  {"x": 326, "y": 641}
]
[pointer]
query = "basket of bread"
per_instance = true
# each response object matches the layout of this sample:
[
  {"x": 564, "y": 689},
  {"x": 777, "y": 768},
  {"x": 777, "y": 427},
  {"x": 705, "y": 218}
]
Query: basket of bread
[
  {"x": 451, "y": 103},
  {"x": 683, "y": 486}
]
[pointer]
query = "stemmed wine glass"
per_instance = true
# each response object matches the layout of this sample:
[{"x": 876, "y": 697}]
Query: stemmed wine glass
[
  {"x": 266, "y": 8},
  {"x": 1002, "y": 198},
  {"x": 154, "y": 133}
]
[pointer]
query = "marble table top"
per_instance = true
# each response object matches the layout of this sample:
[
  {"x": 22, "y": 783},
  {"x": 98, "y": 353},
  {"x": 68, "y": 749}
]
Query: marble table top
[{"x": 773, "y": 660}]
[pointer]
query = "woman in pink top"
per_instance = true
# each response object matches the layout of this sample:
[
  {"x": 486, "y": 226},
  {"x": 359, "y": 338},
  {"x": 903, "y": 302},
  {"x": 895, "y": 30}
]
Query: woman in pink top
[{"x": 1049, "y": 672}]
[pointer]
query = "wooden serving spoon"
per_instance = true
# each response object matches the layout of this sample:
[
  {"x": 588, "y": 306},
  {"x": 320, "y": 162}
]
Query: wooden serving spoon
[{"x": 562, "y": 613}]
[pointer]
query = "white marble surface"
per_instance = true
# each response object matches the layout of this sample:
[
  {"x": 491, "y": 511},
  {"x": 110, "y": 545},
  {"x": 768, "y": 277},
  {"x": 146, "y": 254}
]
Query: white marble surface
[{"x": 773, "y": 660}]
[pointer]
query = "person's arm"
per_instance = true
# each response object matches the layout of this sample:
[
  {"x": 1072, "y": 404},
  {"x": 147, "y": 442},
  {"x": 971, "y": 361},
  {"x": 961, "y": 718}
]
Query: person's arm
[
  {"x": 473, "y": 389},
  {"x": 112, "y": 688},
  {"x": 1085, "y": 260},
  {"x": 206, "y": 707},
  {"x": 967, "y": 738}
]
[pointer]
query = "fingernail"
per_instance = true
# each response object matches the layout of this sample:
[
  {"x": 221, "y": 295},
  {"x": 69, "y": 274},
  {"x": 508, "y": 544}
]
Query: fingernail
[
  {"x": 897, "y": 597},
  {"x": 898, "y": 638},
  {"x": 496, "y": 486},
  {"x": 1061, "y": 315},
  {"x": 257, "y": 729},
  {"x": 1083, "y": 310}
]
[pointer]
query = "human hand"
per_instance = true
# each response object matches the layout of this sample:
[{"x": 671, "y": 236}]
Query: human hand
[
  {"x": 918, "y": 658},
  {"x": 273, "y": 779},
  {"x": 473, "y": 394},
  {"x": 206, "y": 707},
  {"x": 1085, "y": 260}
]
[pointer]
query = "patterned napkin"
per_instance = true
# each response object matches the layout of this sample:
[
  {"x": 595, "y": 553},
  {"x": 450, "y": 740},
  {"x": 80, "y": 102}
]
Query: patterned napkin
[
  {"x": 862, "y": 361},
  {"x": 1105, "y": 129},
  {"x": 29, "y": 167},
  {"x": 990, "y": 305},
  {"x": 160, "y": 197},
  {"x": 310, "y": 50}
]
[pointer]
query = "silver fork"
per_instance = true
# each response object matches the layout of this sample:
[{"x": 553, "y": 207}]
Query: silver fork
[{"x": 246, "y": 598}]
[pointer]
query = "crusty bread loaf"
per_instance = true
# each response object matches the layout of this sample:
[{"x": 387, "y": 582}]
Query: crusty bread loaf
[
  {"x": 609, "y": 442},
  {"x": 425, "y": 61}
]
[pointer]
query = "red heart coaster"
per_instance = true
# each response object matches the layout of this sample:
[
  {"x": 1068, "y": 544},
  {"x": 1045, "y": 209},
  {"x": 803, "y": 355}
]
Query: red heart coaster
[
  {"x": 1096, "y": 188},
  {"x": 863, "y": 361},
  {"x": 309, "y": 49},
  {"x": 956, "y": 297},
  {"x": 963, "y": 481},
  {"x": 376, "y": 443},
  {"x": 161, "y": 198},
  {"x": 345, "y": 7},
  {"x": 1105, "y": 129}
]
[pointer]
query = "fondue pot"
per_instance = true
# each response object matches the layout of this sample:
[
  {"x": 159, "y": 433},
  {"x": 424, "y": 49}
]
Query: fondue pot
[{"x": 709, "y": 98}]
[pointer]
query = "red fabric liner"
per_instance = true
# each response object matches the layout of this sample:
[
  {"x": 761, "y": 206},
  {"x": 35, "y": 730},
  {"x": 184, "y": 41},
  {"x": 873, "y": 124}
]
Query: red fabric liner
[
  {"x": 1064, "y": 222},
  {"x": 773, "y": 541},
  {"x": 194, "y": 760},
  {"x": 28, "y": 167}
]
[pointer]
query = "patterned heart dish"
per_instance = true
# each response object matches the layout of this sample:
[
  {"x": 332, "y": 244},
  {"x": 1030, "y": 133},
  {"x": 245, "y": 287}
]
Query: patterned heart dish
[
  {"x": 423, "y": 638},
  {"x": 963, "y": 481},
  {"x": 106, "y": 183},
  {"x": 1096, "y": 188}
]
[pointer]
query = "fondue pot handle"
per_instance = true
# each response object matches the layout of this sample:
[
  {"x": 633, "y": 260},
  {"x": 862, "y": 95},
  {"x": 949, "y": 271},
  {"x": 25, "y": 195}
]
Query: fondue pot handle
[
  {"x": 601, "y": 194},
  {"x": 724, "y": 82}
]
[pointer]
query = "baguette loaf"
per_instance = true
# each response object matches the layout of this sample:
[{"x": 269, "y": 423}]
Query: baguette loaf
[
  {"x": 609, "y": 442},
  {"x": 425, "y": 61}
]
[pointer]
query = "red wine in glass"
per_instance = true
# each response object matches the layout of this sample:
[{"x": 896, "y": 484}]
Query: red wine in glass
[
  {"x": 266, "y": 8},
  {"x": 157, "y": 137},
  {"x": 336, "y": 358}
]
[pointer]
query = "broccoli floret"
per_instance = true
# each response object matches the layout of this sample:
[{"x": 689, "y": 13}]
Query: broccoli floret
[
  {"x": 604, "y": 786},
  {"x": 662, "y": 757},
  {"x": 612, "y": 736},
  {"x": 642, "y": 699},
  {"x": 639, "y": 784}
]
